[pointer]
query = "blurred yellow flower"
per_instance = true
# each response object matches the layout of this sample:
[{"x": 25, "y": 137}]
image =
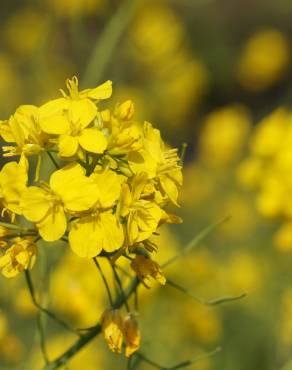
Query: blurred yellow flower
[
  {"x": 25, "y": 30},
  {"x": 77, "y": 8},
  {"x": 264, "y": 60},
  {"x": 283, "y": 237},
  {"x": 223, "y": 136}
]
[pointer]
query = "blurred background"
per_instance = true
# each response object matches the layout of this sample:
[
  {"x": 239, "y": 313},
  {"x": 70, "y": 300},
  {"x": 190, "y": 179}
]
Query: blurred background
[{"x": 215, "y": 74}]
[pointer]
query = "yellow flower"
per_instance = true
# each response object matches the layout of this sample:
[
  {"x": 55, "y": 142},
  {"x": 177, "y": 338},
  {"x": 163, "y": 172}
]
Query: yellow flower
[
  {"x": 24, "y": 130},
  {"x": 159, "y": 163},
  {"x": 71, "y": 116},
  {"x": 80, "y": 105},
  {"x": 132, "y": 334},
  {"x": 112, "y": 329},
  {"x": 69, "y": 190},
  {"x": 13, "y": 179},
  {"x": 143, "y": 216},
  {"x": 20, "y": 256},
  {"x": 99, "y": 229},
  {"x": 145, "y": 268},
  {"x": 88, "y": 138}
]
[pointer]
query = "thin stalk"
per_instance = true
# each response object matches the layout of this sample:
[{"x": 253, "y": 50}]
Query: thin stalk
[
  {"x": 41, "y": 331},
  {"x": 210, "y": 302},
  {"x": 43, "y": 309},
  {"x": 15, "y": 227},
  {"x": 108, "y": 41},
  {"x": 179, "y": 365},
  {"x": 104, "y": 281},
  {"x": 195, "y": 241},
  {"x": 119, "y": 283},
  {"x": 56, "y": 164}
]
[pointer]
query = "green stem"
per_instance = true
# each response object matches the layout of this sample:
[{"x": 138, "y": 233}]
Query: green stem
[
  {"x": 15, "y": 227},
  {"x": 41, "y": 331},
  {"x": 108, "y": 41},
  {"x": 210, "y": 302},
  {"x": 56, "y": 164},
  {"x": 43, "y": 309},
  {"x": 104, "y": 280},
  {"x": 195, "y": 241},
  {"x": 91, "y": 334},
  {"x": 119, "y": 283},
  {"x": 183, "y": 153},
  {"x": 181, "y": 364}
]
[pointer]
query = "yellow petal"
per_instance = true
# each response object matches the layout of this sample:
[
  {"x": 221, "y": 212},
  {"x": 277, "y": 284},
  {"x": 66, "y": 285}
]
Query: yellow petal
[
  {"x": 53, "y": 226},
  {"x": 54, "y": 107},
  {"x": 170, "y": 188},
  {"x": 111, "y": 232},
  {"x": 109, "y": 186},
  {"x": 92, "y": 234},
  {"x": 68, "y": 146},
  {"x": 103, "y": 91},
  {"x": 82, "y": 238},
  {"x": 55, "y": 125},
  {"x": 93, "y": 140},
  {"x": 13, "y": 178},
  {"x": 78, "y": 192},
  {"x": 34, "y": 203},
  {"x": 5, "y": 132},
  {"x": 82, "y": 112}
]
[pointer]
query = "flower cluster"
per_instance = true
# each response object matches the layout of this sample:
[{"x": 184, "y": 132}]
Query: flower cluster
[{"x": 110, "y": 189}]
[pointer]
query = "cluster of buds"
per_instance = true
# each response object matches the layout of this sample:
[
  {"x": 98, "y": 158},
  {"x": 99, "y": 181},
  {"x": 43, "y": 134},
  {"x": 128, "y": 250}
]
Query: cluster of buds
[{"x": 116, "y": 329}]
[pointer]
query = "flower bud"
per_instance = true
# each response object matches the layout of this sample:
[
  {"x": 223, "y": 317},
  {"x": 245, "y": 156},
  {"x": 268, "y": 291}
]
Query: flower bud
[
  {"x": 112, "y": 329},
  {"x": 132, "y": 334}
]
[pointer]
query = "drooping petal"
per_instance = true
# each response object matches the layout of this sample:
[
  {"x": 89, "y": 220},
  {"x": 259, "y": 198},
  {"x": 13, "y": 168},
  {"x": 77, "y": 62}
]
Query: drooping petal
[
  {"x": 68, "y": 145},
  {"x": 132, "y": 334},
  {"x": 53, "y": 226},
  {"x": 170, "y": 188},
  {"x": 93, "y": 140},
  {"x": 34, "y": 203},
  {"x": 112, "y": 329}
]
